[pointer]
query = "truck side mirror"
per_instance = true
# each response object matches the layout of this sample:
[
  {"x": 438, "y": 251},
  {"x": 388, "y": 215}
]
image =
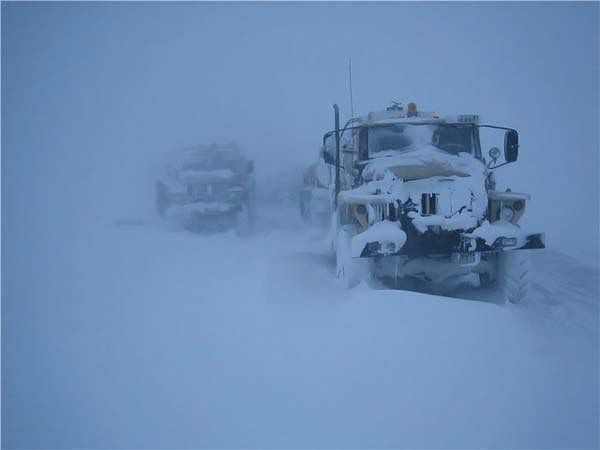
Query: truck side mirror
[
  {"x": 328, "y": 158},
  {"x": 511, "y": 145}
]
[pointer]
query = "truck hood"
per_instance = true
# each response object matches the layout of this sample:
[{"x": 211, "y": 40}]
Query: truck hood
[
  {"x": 420, "y": 163},
  {"x": 457, "y": 180}
]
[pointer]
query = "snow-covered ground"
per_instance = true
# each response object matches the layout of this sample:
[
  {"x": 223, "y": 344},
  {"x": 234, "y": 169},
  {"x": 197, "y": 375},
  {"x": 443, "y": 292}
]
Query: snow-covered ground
[{"x": 132, "y": 335}]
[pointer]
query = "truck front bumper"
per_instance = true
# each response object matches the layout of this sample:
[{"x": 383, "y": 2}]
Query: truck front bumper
[
  {"x": 199, "y": 209},
  {"x": 504, "y": 243},
  {"x": 432, "y": 244}
]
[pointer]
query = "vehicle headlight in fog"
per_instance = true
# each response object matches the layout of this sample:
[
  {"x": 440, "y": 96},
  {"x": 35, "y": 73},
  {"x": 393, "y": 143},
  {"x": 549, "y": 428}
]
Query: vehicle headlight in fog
[
  {"x": 507, "y": 213},
  {"x": 234, "y": 194},
  {"x": 178, "y": 198},
  {"x": 518, "y": 205}
]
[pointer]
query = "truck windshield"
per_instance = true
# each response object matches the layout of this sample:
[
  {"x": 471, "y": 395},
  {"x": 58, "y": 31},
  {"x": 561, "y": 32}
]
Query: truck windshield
[
  {"x": 450, "y": 138},
  {"x": 214, "y": 161}
]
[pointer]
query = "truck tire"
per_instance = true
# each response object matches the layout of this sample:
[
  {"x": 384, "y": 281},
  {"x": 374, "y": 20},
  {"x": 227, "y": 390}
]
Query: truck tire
[
  {"x": 349, "y": 271},
  {"x": 162, "y": 199},
  {"x": 243, "y": 221},
  {"x": 513, "y": 274},
  {"x": 305, "y": 206}
]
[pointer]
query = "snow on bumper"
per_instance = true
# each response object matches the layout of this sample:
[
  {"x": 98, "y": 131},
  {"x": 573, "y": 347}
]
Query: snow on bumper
[
  {"x": 503, "y": 235},
  {"x": 382, "y": 238},
  {"x": 387, "y": 238},
  {"x": 201, "y": 208}
]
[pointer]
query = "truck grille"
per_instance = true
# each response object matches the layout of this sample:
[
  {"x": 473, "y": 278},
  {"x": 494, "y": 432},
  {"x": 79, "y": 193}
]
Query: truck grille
[
  {"x": 429, "y": 204},
  {"x": 205, "y": 192}
]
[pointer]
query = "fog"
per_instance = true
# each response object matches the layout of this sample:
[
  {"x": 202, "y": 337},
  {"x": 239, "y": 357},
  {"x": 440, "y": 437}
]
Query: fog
[{"x": 94, "y": 94}]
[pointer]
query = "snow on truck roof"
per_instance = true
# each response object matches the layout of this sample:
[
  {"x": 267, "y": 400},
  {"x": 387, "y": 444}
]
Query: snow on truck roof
[
  {"x": 195, "y": 153},
  {"x": 203, "y": 150},
  {"x": 206, "y": 157}
]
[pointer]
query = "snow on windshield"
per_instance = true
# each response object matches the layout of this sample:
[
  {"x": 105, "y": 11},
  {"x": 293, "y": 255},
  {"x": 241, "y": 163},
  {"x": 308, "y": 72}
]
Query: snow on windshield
[
  {"x": 399, "y": 137},
  {"x": 209, "y": 161}
]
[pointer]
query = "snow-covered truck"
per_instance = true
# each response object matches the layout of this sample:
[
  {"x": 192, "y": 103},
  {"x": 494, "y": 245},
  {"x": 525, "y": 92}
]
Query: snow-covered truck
[
  {"x": 414, "y": 197},
  {"x": 208, "y": 188}
]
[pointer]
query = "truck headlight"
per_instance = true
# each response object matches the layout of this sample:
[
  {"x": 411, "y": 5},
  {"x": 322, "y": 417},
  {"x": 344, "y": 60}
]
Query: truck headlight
[
  {"x": 362, "y": 215},
  {"x": 507, "y": 206},
  {"x": 235, "y": 194},
  {"x": 507, "y": 213},
  {"x": 178, "y": 198}
]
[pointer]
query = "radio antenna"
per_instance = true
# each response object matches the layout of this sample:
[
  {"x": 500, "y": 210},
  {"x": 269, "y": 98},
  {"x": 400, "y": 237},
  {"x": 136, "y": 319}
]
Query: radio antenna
[{"x": 351, "y": 96}]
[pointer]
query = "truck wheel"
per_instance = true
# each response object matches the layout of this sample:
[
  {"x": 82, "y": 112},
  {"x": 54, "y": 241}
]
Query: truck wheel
[
  {"x": 349, "y": 271},
  {"x": 485, "y": 280},
  {"x": 513, "y": 275},
  {"x": 304, "y": 212},
  {"x": 162, "y": 199},
  {"x": 305, "y": 207},
  {"x": 243, "y": 222}
]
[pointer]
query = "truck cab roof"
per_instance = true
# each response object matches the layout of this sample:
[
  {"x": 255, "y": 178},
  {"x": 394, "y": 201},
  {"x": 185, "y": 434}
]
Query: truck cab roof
[{"x": 397, "y": 115}]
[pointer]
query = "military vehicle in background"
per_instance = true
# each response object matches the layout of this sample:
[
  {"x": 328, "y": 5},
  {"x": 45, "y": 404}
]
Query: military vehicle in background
[{"x": 208, "y": 188}]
